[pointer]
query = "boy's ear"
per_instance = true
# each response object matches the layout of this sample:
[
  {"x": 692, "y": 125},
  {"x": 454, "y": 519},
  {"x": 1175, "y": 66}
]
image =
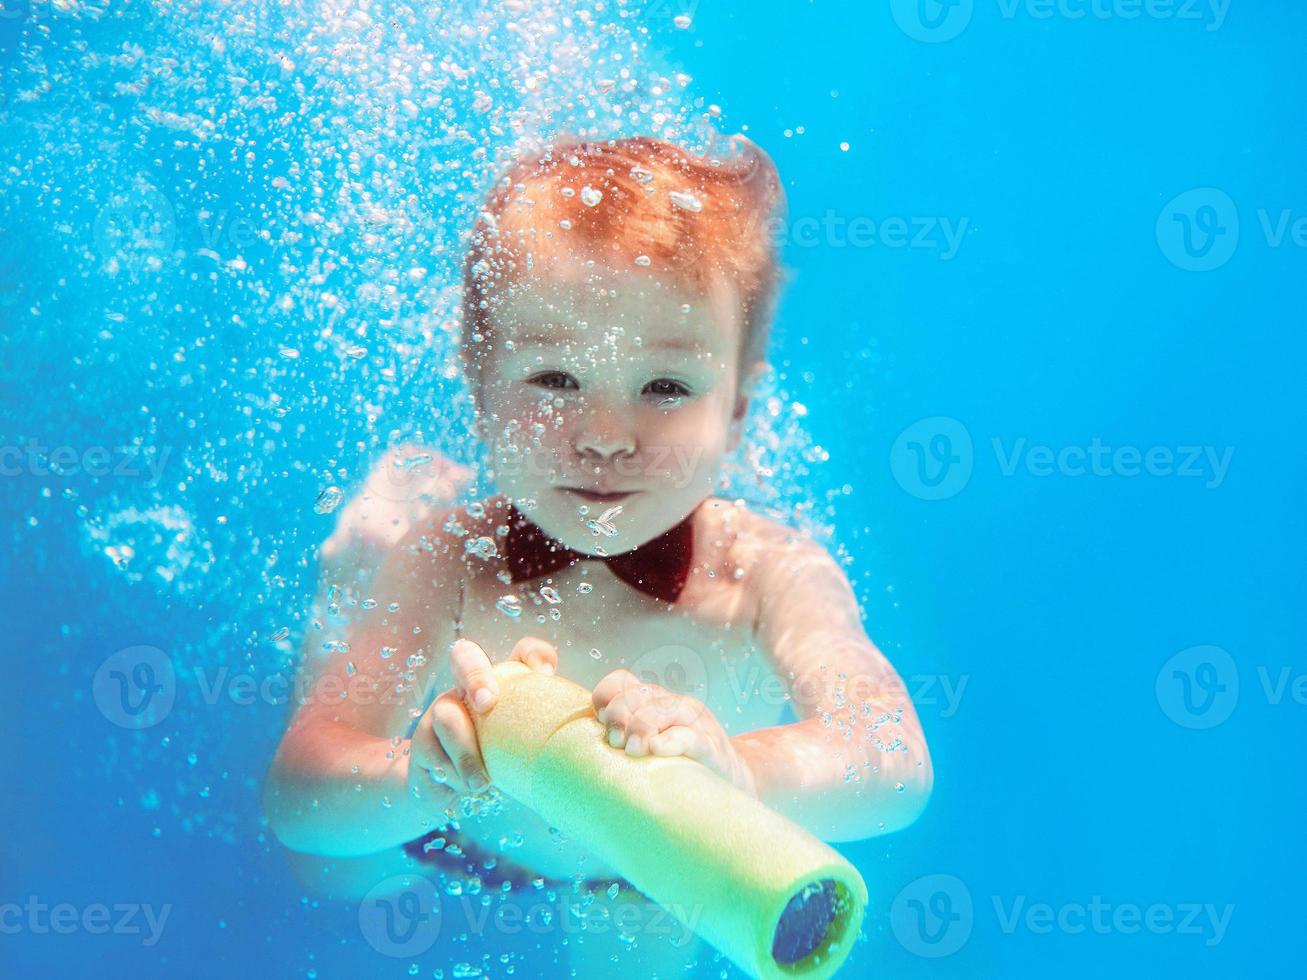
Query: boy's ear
[
  {"x": 741, "y": 408},
  {"x": 736, "y": 432},
  {"x": 748, "y": 381}
]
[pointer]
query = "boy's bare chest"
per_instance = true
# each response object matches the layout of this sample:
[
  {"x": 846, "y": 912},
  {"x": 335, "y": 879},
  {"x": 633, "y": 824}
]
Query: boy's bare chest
[{"x": 701, "y": 646}]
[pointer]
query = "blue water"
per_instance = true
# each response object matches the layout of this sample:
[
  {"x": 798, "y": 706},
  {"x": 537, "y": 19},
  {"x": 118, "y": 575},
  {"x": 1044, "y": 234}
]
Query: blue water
[{"x": 995, "y": 279}]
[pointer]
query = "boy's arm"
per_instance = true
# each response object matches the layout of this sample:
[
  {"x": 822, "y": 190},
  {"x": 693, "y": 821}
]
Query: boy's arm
[
  {"x": 339, "y": 784},
  {"x": 856, "y": 763}
]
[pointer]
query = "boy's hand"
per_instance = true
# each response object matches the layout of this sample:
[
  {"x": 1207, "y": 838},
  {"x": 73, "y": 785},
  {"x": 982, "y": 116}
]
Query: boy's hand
[
  {"x": 445, "y": 749},
  {"x": 644, "y": 718}
]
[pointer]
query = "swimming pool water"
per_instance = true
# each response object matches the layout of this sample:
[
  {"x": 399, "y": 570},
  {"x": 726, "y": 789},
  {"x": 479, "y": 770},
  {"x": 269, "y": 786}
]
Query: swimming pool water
[{"x": 1037, "y": 377}]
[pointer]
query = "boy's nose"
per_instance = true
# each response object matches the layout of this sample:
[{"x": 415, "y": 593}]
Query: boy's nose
[{"x": 602, "y": 435}]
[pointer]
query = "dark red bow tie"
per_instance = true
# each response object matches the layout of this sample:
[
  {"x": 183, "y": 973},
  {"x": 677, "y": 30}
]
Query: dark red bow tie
[{"x": 658, "y": 567}]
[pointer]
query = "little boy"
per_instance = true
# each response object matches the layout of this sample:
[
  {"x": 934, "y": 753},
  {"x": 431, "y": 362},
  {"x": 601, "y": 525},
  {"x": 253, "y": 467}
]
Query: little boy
[{"x": 618, "y": 297}]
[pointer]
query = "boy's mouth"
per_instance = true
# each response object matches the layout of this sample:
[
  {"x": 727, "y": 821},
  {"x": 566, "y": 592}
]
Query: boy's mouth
[{"x": 595, "y": 497}]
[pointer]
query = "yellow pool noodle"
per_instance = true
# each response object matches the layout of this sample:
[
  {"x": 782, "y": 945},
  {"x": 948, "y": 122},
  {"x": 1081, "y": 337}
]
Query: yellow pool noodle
[{"x": 726, "y": 865}]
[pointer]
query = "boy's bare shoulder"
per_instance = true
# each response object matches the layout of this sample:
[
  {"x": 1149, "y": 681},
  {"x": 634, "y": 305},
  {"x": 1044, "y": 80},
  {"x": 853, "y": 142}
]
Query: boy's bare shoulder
[
  {"x": 746, "y": 543},
  {"x": 435, "y": 548},
  {"x": 457, "y": 532},
  {"x": 767, "y": 557}
]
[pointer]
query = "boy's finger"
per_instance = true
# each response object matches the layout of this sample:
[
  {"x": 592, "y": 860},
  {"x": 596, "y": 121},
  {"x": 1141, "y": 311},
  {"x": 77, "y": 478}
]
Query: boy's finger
[
  {"x": 676, "y": 741},
  {"x": 427, "y": 751},
  {"x": 615, "y": 714},
  {"x": 458, "y": 737},
  {"x": 473, "y": 676},
  {"x": 537, "y": 654},
  {"x": 613, "y": 684}
]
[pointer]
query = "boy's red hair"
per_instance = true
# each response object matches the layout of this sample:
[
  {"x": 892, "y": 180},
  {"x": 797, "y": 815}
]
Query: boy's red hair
[{"x": 700, "y": 217}]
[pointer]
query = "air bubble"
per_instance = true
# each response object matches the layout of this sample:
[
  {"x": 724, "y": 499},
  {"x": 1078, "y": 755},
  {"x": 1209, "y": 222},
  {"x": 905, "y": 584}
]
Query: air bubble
[
  {"x": 685, "y": 201},
  {"x": 328, "y": 500},
  {"x": 482, "y": 547}
]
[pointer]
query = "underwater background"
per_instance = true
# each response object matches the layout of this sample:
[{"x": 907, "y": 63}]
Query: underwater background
[{"x": 1038, "y": 377}]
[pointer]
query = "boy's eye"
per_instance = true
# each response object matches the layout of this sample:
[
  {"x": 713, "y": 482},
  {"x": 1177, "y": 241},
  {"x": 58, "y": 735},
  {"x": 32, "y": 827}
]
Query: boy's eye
[
  {"x": 667, "y": 388},
  {"x": 554, "y": 379}
]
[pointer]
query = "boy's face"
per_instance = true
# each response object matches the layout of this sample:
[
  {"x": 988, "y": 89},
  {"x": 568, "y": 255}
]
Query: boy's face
[{"x": 612, "y": 380}]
